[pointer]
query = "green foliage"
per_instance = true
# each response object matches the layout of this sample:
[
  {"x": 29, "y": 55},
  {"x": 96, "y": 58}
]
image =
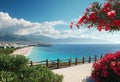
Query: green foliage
[
  {"x": 18, "y": 62},
  {"x": 12, "y": 63},
  {"x": 39, "y": 73},
  {"x": 16, "y": 69},
  {"x": 6, "y": 50},
  {"x": 7, "y": 76}
]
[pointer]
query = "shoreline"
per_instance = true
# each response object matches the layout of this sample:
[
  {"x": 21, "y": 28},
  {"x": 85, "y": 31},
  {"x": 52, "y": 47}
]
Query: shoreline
[
  {"x": 23, "y": 51},
  {"x": 79, "y": 73}
]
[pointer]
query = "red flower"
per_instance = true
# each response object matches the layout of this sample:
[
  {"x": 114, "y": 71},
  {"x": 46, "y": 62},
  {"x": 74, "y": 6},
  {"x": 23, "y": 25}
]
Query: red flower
[
  {"x": 118, "y": 64},
  {"x": 116, "y": 23},
  {"x": 113, "y": 64},
  {"x": 115, "y": 69},
  {"x": 106, "y": 4},
  {"x": 90, "y": 6},
  {"x": 104, "y": 73},
  {"x": 99, "y": 27},
  {"x": 89, "y": 26},
  {"x": 93, "y": 17},
  {"x": 87, "y": 10},
  {"x": 77, "y": 26},
  {"x": 107, "y": 27},
  {"x": 117, "y": 54},
  {"x": 105, "y": 10},
  {"x": 101, "y": 22},
  {"x": 94, "y": 77},
  {"x": 106, "y": 7},
  {"x": 71, "y": 25},
  {"x": 111, "y": 14},
  {"x": 96, "y": 66}
]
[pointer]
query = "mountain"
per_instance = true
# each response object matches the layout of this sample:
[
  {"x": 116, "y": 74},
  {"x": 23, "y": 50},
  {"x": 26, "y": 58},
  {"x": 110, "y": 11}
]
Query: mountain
[
  {"x": 44, "y": 39},
  {"x": 79, "y": 41},
  {"x": 27, "y": 39},
  {"x": 12, "y": 37},
  {"x": 36, "y": 39}
]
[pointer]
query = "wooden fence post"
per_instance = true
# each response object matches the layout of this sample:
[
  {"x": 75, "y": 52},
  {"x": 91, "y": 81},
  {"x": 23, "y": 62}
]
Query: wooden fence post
[
  {"x": 95, "y": 58},
  {"x": 47, "y": 62},
  {"x": 89, "y": 59},
  {"x": 70, "y": 62},
  {"x": 83, "y": 60},
  {"x": 31, "y": 63},
  {"x": 58, "y": 63},
  {"x": 76, "y": 61}
]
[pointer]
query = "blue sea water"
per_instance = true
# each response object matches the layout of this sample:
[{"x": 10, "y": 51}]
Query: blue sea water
[{"x": 66, "y": 51}]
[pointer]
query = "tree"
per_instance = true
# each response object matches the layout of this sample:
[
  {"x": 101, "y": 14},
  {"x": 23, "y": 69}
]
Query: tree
[{"x": 102, "y": 16}]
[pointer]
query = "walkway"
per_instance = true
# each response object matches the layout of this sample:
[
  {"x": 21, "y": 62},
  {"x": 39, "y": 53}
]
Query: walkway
[{"x": 79, "y": 73}]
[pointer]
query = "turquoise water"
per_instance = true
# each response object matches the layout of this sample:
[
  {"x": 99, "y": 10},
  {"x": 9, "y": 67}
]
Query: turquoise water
[{"x": 71, "y": 51}]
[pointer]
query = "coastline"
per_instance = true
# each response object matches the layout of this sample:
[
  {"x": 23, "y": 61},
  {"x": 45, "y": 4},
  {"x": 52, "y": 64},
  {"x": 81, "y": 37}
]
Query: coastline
[
  {"x": 23, "y": 51},
  {"x": 79, "y": 73}
]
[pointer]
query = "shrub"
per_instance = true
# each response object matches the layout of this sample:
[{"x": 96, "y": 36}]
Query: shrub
[
  {"x": 6, "y": 76},
  {"x": 107, "y": 69},
  {"x": 39, "y": 73},
  {"x": 12, "y": 63},
  {"x": 101, "y": 16},
  {"x": 16, "y": 69},
  {"x": 6, "y": 50}
]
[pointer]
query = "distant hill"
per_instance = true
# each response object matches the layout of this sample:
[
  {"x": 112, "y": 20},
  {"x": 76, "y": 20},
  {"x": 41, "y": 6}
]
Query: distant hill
[
  {"x": 25, "y": 39},
  {"x": 78, "y": 41},
  {"x": 44, "y": 39},
  {"x": 9, "y": 37},
  {"x": 36, "y": 39}
]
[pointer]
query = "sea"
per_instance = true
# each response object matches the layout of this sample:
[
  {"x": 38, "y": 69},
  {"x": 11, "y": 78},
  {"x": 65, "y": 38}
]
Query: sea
[{"x": 66, "y": 51}]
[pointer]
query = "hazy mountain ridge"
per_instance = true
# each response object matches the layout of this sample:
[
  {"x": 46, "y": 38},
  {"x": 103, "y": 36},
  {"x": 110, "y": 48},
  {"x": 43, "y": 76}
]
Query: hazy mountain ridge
[
  {"x": 11, "y": 37},
  {"x": 43, "y": 39}
]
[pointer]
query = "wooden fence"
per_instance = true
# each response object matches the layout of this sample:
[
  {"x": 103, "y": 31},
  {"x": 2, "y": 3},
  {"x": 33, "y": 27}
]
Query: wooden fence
[{"x": 61, "y": 63}]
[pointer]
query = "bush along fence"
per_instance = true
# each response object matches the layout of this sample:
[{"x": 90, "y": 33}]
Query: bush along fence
[{"x": 61, "y": 63}]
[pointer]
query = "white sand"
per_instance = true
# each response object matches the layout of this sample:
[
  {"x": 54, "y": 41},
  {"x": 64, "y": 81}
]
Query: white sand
[
  {"x": 76, "y": 73},
  {"x": 23, "y": 51}
]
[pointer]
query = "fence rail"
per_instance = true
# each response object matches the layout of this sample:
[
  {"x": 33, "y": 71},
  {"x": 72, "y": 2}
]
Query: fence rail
[{"x": 59, "y": 63}]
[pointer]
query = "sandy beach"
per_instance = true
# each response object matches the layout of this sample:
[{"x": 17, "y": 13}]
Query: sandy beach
[
  {"x": 23, "y": 51},
  {"x": 76, "y": 73}
]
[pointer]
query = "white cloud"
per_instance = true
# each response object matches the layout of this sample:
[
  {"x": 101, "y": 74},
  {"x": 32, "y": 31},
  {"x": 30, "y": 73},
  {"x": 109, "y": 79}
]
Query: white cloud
[
  {"x": 72, "y": 33},
  {"x": 24, "y": 27},
  {"x": 54, "y": 23},
  {"x": 109, "y": 36}
]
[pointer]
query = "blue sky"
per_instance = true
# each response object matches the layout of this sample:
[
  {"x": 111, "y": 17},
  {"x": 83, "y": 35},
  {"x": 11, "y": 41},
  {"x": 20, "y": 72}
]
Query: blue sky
[
  {"x": 49, "y": 18},
  {"x": 45, "y": 10}
]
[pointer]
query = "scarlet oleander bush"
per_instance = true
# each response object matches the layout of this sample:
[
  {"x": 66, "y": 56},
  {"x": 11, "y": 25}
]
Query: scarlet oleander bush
[
  {"x": 107, "y": 69},
  {"x": 102, "y": 16}
]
